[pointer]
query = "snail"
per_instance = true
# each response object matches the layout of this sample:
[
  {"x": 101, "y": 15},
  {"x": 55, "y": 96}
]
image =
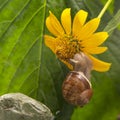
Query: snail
[{"x": 77, "y": 88}]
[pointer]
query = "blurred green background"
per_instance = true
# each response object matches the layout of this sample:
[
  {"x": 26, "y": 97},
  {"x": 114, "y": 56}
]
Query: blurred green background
[{"x": 28, "y": 66}]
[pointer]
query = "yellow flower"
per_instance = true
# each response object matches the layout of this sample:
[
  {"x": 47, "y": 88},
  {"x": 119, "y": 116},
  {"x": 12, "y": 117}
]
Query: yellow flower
[{"x": 69, "y": 39}]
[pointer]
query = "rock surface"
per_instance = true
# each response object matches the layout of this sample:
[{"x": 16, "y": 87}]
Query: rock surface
[{"x": 17, "y": 106}]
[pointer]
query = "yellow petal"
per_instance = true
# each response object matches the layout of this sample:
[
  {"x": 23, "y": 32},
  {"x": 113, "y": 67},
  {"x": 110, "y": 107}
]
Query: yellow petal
[
  {"x": 54, "y": 25},
  {"x": 95, "y": 50},
  {"x": 99, "y": 65},
  {"x": 89, "y": 28},
  {"x": 67, "y": 64},
  {"x": 50, "y": 42},
  {"x": 95, "y": 40},
  {"x": 79, "y": 21},
  {"x": 66, "y": 20}
]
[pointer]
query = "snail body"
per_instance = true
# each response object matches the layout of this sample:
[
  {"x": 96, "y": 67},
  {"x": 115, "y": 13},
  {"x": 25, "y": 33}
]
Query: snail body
[{"x": 77, "y": 89}]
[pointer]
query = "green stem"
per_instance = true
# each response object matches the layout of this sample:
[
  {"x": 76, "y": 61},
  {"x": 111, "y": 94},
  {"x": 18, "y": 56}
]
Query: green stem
[{"x": 104, "y": 8}]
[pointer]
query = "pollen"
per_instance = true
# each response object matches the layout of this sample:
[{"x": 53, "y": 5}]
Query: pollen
[
  {"x": 67, "y": 47},
  {"x": 74, "y": 36}
]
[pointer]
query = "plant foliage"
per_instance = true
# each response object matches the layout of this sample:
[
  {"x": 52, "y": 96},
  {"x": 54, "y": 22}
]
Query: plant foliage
[{"x": 29, "y": 67}]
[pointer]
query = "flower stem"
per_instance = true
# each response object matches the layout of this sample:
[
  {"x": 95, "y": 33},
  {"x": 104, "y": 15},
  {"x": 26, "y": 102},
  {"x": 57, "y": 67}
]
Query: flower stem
[{"x": 104, "y": 8}]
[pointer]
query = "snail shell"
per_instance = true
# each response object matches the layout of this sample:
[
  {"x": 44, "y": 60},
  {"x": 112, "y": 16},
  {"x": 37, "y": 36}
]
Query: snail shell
[{"x": 77, "y": 89}]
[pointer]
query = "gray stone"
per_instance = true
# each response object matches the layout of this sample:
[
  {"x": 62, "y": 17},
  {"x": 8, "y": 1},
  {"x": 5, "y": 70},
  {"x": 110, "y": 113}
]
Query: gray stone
[{"x": 17, "y": 106}]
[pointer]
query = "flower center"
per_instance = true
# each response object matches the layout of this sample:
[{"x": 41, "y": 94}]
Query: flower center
[{"x": 67, "y": 47}]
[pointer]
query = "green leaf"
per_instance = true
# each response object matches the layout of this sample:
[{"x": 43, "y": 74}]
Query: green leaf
[
  {"x": 28, "y": 66},
  {"x": 111, "y": 6},
  {"x": 113, "y": 24},
  {"x": 21, "y": 32},
  {"x": 116, "y": 5},
  {"x": 20, "y": 37},
  {"x": 105, "y": 102}
]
